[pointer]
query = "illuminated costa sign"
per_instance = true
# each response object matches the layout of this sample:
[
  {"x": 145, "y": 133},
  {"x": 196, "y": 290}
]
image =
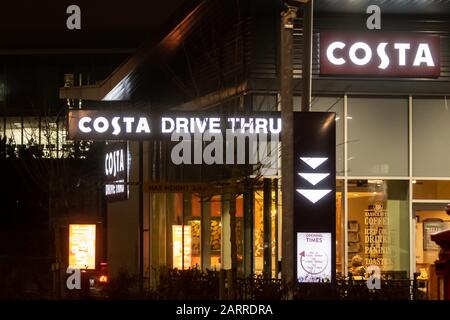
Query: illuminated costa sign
[
  {"x": 379, "y": 54},
  {"x": 116, "y": 171}
]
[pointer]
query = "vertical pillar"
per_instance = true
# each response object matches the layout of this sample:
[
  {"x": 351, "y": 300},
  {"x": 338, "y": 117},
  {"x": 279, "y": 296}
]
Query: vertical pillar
[
  {"x": 307, "y": 56},
  {"x": 205, "y": 229},
  {"x": 248, "y": 231},
  {"x": 287, "y": 164},
  {"x": 225, "y": 255},
  {"x": 267, "y": 218}
]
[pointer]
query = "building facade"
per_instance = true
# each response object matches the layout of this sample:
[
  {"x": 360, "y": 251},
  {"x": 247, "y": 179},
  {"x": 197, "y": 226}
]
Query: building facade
[{"x": 393, "y": 177}]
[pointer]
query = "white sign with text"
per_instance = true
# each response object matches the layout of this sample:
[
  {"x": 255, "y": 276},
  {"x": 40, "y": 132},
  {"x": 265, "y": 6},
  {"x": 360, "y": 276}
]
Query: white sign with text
[{"x": 313, "y": 257}]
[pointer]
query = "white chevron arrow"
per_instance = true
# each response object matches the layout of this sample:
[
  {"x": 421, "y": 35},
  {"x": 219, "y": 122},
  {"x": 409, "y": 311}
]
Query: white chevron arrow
[
  {"x": 313, "y": 162},
  {"x": 313, "y": 178},
  {"x": 312, "y": 194}
]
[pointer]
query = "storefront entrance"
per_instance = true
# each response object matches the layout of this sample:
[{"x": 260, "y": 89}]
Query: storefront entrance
[{"x": 429, "y": 218}]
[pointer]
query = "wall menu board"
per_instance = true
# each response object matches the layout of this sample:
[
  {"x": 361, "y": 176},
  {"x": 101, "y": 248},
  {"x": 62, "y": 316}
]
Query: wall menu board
[
  {"x": 431, "y": 226},
  {"x": 82, "y": 246}
]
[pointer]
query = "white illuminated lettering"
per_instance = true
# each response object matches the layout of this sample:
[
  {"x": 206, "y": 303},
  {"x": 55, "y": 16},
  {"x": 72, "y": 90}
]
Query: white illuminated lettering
[
  {"x": 104, "y": 124},
  {"x": 128, "y": 121},
  {"x": 402, "y": 47},
  {"x": 81, "y": 124},
  {"x": 214, "y": 125},
  {"x": 142, "y": 126},
  {"x": 271, "y": 126},
  {"x": 106, "y": 164},
  {"x": 330, "y": 53},
  {"x": 164, "y": 122},
  {"x": 115, "y": 125},
  {"x": 261, "y": 125},
  {"x": 182, "y": 123},
  {"x": 423, "y": 55},
  {"x": 381, "y": 50},
  {"x": 367, "y": 53},
  {"x": 122, "y": 165},
  {"x": 246, "y": 125},
  {"x": 233, "y": 123},
  {"x": 201, "y": 125}
]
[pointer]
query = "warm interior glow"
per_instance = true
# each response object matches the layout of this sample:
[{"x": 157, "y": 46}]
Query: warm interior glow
[
  {"x": 178, "y": 245},
  {"x": 82, "y": 246}
]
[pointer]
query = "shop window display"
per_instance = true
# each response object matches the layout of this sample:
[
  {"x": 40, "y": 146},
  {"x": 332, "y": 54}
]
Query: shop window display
[{"x": 378, "y": 232}]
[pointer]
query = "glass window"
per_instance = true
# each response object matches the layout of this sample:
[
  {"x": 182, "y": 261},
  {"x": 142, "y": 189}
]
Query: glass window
[
  {"x": 377, "y": 137},
  {"x": 31, "y": 131},
  {"x": 431, "y": 189},
  {"x": 430, "y": 218},
  {"x": 192, "y": 221},
  {"x": 2, "y": 127},
  {"x": 334, "y": 104},
  {"x": 378, "y": 226},
  {"x": 216, "y": 231},
  {"x": 265, "y": 103},
  {"x": 431, "y": 138},
  {"x": 258, "y": 227},
  {"x": 64, "y": 146},
  {"x": 49, "y": 136},
  {"x": 13, "y": 131}
]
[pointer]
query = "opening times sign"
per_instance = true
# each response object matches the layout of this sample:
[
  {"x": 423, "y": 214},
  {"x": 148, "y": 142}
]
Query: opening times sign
[
  {"x": 314, "y": 196},
  {"x": 314, "y": 257}
]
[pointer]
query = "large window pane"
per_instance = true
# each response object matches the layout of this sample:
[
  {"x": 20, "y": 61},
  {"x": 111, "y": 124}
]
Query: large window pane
[
  {"x": 431, "y": 152},
  {"x": 378, "y": 226},
  {"x": 431, "y": 189},
  {"x": 334, "y": 104},
  {"x": 31, "y": 131},
  {"x": 13, "y": 131},
  {"x": 377, "y": 137}
]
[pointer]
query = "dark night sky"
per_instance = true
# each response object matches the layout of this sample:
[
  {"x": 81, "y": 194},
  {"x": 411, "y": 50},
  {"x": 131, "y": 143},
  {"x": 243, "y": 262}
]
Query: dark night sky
[{"x": 42, "y": 23}]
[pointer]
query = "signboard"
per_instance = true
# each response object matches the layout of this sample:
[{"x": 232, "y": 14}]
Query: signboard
[
  {"x": 116, "y": 171},
  {"x": 82, "y": 246},
  {"x": 314, "y": 258},
  {"x": 185, "y": 187},
  {"x": 181, "y": 246},
  {"x": 431, "y": 226},
  {"x": 315, "y": 193},
  {"x": 211, "y": 139},
  {"x": 132, "y": 125},
  {"x": 380, "y": 54}
]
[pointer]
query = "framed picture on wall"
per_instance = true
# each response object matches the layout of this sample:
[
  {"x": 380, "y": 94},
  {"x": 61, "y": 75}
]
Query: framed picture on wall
[
  {"x": 353, "y": 226},
  {"x": 354, "y": 247}
]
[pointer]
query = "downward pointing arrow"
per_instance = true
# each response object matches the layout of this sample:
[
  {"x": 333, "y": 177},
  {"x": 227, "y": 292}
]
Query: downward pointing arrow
[
  {"x": 312, "y": 194},
  {"x": 313, "y": 162},
  {"x": 313, "y": 178}
]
